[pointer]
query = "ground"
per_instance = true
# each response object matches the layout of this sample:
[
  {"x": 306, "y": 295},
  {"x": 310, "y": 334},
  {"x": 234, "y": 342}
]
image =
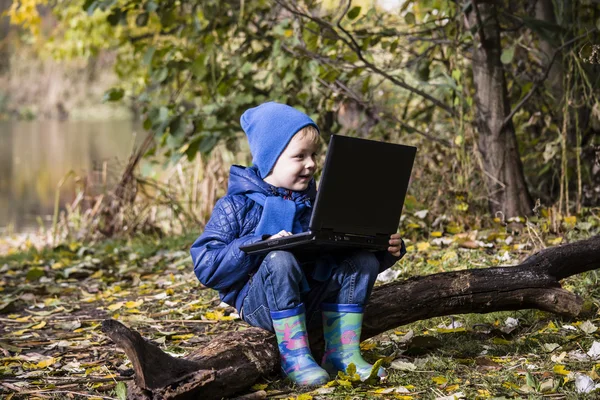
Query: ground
[{"x": 53, "y": 302}]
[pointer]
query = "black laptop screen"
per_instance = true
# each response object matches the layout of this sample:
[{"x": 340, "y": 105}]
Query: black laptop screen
[{"x": 363, "y": 186}]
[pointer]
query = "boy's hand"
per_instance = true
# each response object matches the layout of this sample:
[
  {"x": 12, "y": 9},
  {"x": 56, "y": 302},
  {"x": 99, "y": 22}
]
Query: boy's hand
[
  {"x": 395, "y": 244},
  {"x": 280, "y": 234}
]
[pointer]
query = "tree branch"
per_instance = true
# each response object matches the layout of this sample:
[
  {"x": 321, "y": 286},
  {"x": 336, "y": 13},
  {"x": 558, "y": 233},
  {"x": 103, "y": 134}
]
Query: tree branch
[
  {"x": 540, "y": 81},
  {"x": 350, "y": 42}
]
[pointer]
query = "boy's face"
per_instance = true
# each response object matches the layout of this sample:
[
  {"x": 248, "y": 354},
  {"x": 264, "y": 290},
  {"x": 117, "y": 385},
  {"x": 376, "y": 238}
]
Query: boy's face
[{"x": 295, "y": 167}]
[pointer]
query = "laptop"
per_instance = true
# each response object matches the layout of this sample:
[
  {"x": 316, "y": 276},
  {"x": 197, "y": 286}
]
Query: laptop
[{"x": 359, "y": 201}]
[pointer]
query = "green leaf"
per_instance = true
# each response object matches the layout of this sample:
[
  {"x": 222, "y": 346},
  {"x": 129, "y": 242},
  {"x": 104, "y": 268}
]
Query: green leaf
[
  {"x": 365, "y": 84},
  {"x": 163, "y": 114},
  {"x": 507, "y": 55},
  {"x": 114, "y": 17},
  {"x": 585, "y": 53},
  {"x": 351, "y": 369},
  {"x": 177, "y": 126},
  {"x": 160, "y": 75},
  {"x": 531, "y": 381},
  {"x": 34, "y": 274},
  {"x": 208, "y": 143},
  {"x": 410, "y": 19},
  {"x": 456, "y": 74},
  {"x": 198, "y": 67},
  {"x": 121, "y": 390},
  {"x": 149, "y": 55},
  {"x": 90, "y": 6},
  {"x": 373, "y": 377},
  {"x": 354, "y": 12},
  {"x": 113, "y": 94},
  {"x": 526, "y": 88}
]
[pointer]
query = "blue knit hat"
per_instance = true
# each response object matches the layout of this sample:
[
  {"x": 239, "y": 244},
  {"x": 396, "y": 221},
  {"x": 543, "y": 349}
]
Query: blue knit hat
[{"x": 269, "y": 128}]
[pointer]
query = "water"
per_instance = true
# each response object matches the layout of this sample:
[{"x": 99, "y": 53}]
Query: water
[{"x": 36, "y": 155}]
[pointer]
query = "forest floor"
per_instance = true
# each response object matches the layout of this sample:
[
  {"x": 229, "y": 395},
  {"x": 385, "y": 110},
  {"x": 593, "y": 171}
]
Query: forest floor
[{"x": 53, "y": 302}]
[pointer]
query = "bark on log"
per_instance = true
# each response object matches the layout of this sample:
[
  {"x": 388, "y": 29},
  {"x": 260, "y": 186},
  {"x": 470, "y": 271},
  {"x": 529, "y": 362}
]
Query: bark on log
[{"x": 235, "y": 360}]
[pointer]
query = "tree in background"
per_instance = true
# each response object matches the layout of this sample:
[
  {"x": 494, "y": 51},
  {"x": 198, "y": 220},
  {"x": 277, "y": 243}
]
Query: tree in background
[{"x": 464, "y": 81}]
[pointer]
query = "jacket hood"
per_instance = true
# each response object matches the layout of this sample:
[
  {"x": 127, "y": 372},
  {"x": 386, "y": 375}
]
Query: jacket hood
[{"x": 245, "y": 180}]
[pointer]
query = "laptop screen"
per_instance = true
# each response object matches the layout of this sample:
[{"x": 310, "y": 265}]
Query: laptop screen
[{"x": 363, "y": 186}]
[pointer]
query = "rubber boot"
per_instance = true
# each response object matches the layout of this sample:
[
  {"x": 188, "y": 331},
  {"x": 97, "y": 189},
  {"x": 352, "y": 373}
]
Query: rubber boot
[
  {"x": 297, "y": 363},
  {"x": 342, "y": 324}
]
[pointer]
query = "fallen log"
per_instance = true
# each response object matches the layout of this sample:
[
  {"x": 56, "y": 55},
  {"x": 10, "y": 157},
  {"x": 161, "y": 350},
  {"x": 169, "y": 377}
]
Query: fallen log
[{"x": 235, "y": 360}]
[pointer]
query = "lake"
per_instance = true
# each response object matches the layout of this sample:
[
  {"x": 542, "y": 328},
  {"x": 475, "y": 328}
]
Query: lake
[{"x": 36, "y": 155}]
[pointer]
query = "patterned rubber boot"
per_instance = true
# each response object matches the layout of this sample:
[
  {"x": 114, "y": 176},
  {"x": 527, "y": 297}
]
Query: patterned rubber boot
[
  {"x": 297, "y": 362},
  {"x": 342, "y": 325}
]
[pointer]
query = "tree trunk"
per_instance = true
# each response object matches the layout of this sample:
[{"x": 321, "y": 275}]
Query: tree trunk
[
  {"x": 235, "y": 360},
  {"x": 497, "y": 143}
]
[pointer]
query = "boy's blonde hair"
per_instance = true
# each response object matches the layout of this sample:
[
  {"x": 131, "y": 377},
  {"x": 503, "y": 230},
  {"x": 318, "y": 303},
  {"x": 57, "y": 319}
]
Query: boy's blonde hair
[{"x": 309, "y": 132}]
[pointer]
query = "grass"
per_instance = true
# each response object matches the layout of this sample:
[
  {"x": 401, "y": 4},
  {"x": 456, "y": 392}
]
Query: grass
[{"x": 53, "y": 301}]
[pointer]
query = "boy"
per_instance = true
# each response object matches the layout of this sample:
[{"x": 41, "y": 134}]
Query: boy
[{"x": 274, "y": 198}]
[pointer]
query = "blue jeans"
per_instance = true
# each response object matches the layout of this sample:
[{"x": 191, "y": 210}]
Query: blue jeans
[{"x": 283, "y": 282}]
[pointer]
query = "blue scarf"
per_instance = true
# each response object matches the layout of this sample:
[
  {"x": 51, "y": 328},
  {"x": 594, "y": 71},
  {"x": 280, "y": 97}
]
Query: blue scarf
[
  {"x": 280, "y": 211},
  {"x": 282, "y": 208}
]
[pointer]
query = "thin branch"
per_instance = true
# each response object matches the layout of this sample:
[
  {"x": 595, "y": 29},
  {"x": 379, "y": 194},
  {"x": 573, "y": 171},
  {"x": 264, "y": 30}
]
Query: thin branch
[
  {"x": 351, "y": 43},
  {"x": 377, "y": 112},
  {"x": 538, "y": 82}
]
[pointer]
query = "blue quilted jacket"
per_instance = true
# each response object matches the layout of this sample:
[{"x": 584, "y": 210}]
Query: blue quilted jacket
[{"x": 218, "y": 261}]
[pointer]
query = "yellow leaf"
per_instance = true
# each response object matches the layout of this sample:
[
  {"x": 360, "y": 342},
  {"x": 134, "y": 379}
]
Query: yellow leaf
[
  {"x": 39, "y": 326},
  {"x": 561, "y": 370},
  {"x": 510, "y": 385},
  {"x": 454, "y": 228},
  {"x": 451, "y": 388},
  {"x": 57, "y": 265},
  {"x": 20, "y": 332},
  {"x": 451, "y": 255},
  {"x": 412, "y": 225},
  {"x": 367, "y": 346},
  {"x": 343, "y": 382},
  {"x": 498, "y": 340},
  {"x": 183, "y": 337},
  {"x": 134, "y": 304},
  {"x": 433, "y": 263},
  {"x": 552, "y": 327},
  {"x": 52, "y": 302},
  {"x": 23, "y": 319},
  {"x": 115, "y": 306},
  {"x": 423, "y": 246},
  {"x": 259, "y": 386},
  {"x": 45, "y": 363},
  {"x": 97, "y": 274},
  {"x": 439, "y": 380},
  {"x": 556, "y": 241},
  {"x": 217, "y": 316},
  {"x": 304, "y": 396},
  {"x": 436, "y": 234},
  {"x": 170, "y": 292},
  {"x": 451, "y": 330},
  {"x": 572, "y": 220},
  {"x": 410, "y": 248},
  {"x": 484, "y": 393}
]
